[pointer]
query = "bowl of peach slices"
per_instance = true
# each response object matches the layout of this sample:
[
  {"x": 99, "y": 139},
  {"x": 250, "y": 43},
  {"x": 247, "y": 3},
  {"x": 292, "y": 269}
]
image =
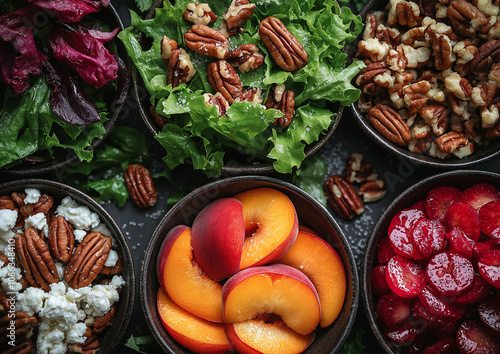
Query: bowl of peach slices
[
  {"x": 249, "y": 264},
  {"x": 431, "y": 269}
]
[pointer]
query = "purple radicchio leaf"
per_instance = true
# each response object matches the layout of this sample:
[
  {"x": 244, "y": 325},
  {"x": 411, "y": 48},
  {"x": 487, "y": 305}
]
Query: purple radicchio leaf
[
  {"x": 19, "y": 56},
  {"x": 68, "y": 99},
  {"x": 84, "y": 54},
  {"x": 101, "y": 36},
  {"x": 68, "y": 11}
]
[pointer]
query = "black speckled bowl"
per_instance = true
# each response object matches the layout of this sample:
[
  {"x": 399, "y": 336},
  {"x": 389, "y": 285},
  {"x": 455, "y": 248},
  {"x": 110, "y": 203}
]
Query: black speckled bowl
[
  {"x": 110, "y": 338},
  {"x": 481, "y": 153},
  {"x": 41, "y": 163},
  {"x": 310, "y": 213},
  {"x": 236, "y": 163},
  {"x": 461, "y": 179}
]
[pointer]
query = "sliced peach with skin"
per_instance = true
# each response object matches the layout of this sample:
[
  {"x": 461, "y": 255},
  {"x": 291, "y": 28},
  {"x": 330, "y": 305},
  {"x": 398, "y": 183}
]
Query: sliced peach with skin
[
  {"x": 256, "y": 336},
  {"x": 165, "y": 247},
  {"x": 314, "y": 257},
  {"x": 186, "y": 283},
  {"x": 217, "y": 237},
  {"x": 192, "y": 332},
  {"x": 271, "y": 226},
  {"x": 274, "y": 289}
]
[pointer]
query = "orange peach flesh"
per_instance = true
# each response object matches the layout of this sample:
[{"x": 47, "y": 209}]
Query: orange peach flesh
[
  {"x": 188, "y": 286},
  {"x": 270, "y": 218},
  {"x": 289, "y": 298},
  {"x": 256, "y": 336},
  {"x": 192, "y": 332},
  {"x": 322, "y": 265}
]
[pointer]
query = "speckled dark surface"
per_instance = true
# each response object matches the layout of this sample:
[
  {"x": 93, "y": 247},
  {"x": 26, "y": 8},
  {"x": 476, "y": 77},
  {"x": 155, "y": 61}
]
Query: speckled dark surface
[{"x": 138, "y": 225}]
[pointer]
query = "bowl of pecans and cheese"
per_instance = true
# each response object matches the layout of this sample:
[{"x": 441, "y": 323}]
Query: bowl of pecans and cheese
[
  {"x": 66, "y": 271},
  {"x": 431, "y": 82}
]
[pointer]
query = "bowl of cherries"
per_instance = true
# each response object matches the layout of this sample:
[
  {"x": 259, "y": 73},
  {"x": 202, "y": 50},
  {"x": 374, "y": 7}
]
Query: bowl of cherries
[{"x": 431, "y": 268}]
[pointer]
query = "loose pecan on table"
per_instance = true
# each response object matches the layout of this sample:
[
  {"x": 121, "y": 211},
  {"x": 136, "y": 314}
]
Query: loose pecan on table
[
  {"x": 199, "y": 14},
  {"x": 224, "y": 79},
  {"x": 246, "y": 57},
  {"x": 372, "y": 191},
  {"x": 342, "y": 197},
  {"x": 359, "y": 171},
  {"x": 283, "y": 100},
  {"x": 24, "y": 325},
  {"x": 140, "y": 186},
  {"x": 61, "y": 239},
  {"x": 180, "y": 68},
  {"x": 88, "y": 260},
  {"x": 389, "y": 123},
  {"x": 239, "y": 12},
  {"x": 285, "y": 49},
  {"x": 34, "y": 257},
  {"x": 207, "y": 41}
]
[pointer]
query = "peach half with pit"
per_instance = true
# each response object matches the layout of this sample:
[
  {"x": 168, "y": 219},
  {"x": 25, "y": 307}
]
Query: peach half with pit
[
  {"x": 319, "y": 261},
  {"x": 275, "y": 291},
  {"x": 192, "y": 332},
  {"x": 184, "y": 280}
]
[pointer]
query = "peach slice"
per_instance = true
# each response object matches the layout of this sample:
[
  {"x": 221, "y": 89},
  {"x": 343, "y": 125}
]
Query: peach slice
[
  {"x": 314, "y": 257},
  {"x": 192, "y": 332},
  {"x": 275, "y": 289},
  {"x": 165, "y": 247},
  {"x": 257, "y": 337},
  {"x": 217, "y": 237},
  {"x": 271, "y": 225},
  {"x": 186, "y": 283},
  {"x": 308, "y": 230}
]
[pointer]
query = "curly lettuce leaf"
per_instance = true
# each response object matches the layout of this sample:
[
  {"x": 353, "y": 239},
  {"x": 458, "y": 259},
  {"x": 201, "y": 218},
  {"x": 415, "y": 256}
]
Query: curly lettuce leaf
[{"x": 195, "y": 132}]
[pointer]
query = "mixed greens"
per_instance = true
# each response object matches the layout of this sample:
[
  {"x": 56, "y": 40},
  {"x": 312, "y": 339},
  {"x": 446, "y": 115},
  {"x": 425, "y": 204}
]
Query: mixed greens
[
  {"x": 195, "y": 132},
  {"x": 54, "y": 78}
]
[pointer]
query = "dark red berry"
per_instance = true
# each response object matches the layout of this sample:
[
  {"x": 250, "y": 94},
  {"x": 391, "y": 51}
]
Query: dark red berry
[
  {"x": 440, "y": 305},
  {"x": 393, "y": 311},
  {"x": 489, "y": 218},
  {"x": 480, "y": 288},
  {"x": 450, "y": 274},
  {"x": 472, "y": 338},
  {"x": 429, "y": 237},
  {"x": 489, "y": 314},
  {"x": 385, "y": 251},
  {"x": 400, "y": 232},
  {"x": 442, "y": 346},
  {"x": 378, "y": 281},
  {"x": 405, "y": 278},
  {"x": 479, "y": 194},
  {"x": 460, "y": 243},
  {"x": 439, "y": 200},
  {"x": 465, "y": 217},
  {"x": 489, "y": 267},
  {"x": 404, "y": 334}
]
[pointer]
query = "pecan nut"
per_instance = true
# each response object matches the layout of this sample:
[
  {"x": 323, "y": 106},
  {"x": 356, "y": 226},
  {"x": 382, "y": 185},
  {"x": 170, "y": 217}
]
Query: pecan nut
[
  {"x": 366, "y": 77},
  {"x": 486, "y": 55},
  {"x": 116, "y": 269},
  {"x": 43, "y": 204},
  {"x": 372, "y": 190},
  {"x": 436, "y": 116},
  {"x": 226, "y": 32},
  {"x": 358, "y": 171},
  {"x": 218, "y": 101},
  {"x": 90, "y": 345},
  {"x": 415, "y": 95},
  {"x": 342, "y": 197},
  {"x": 459, "y": 86},
  {"x": 285, "y": 49},
  {"x": 87, "y": 260},
  {"x": 253, "y": 94},
  {"x": 451, "y": 141},
  {"x": 389, "y": 123},
  {"x": 6, "y": 202},
  {"x": 61, "y": 239},
  {"x": 104, "y": 321},
  {"x": 180, "y": 68},
  {"x": 199, "y": 14},
  {"x": 465, "y": 18},
  {"x": 207, "y": 41},
  {"x": 140, "y": 186},
  {"x": 34, "y": 257},
  {"x": 283, "y": 100},
  {"x": 167, "y": 46},
  {"x": 405, "y": 13},
  {"x": 246, "y": 57},
  {"x": 224, "y": 79},
  {"x": 238, "y": 13}
]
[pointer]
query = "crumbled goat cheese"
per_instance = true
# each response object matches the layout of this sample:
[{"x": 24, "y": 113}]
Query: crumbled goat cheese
[
  {"x": 32, "y": 195},
  {"x": 112, "y": 259},
  {"x": 30, "y": 300},
  {"x": 79, "y": 215},
  {"x": 38, "y": 222},
  {"x": 8, "y": 219},
  {"x": 79, "y": 235}
]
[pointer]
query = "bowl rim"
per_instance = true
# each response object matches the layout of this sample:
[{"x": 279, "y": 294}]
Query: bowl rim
[
  {"x": 475, "y": 158},
  {"x": 115, "y": 108},
  {"x": 239, "y": 179},
  {"x": 366, "y": 267},
  {"x": 115, "y": 230},
  {"x": 261, "y": 167}
]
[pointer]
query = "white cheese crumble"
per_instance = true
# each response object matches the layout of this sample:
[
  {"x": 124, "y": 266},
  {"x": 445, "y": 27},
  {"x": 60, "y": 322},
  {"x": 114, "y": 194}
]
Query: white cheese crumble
[
  {"x": 8, "y": 219},
  {"x": 79, "y": 235},
  {"x": 112, "y": 259},
  {"x": 38, "y": 222},
  {"x": 78, "y": 215},
  {"x": 32, "y": 195}
]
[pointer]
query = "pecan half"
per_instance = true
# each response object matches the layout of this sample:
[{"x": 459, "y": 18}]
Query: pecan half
[
  {"x": 436, "y": 116},
  {"x": 207, "y": 41},
  {"x": 486, "y": 55},
  {"x": 61, "y": 239},
  {"x": 405, "y": 14},
  {"x": 34, "y": 257},
  {"x": 43, "y": 204},
  {"x": 6, "y": 202},
  {"x": 459, "y": 86},
  {"x": 442, "y": 48},
  {"x": 224, "y": 79},
  {"x": 415, "y": 95},
  {"x": 23, "y": 325},
  {"x": 389, "y": 123},
  {"x": 246, "y": 57},
  {"x": 253, "y": 94},
  {"x": 465, "y": 18},
  {"x": 366, "y": 77},
  {"x": 180, "y": 69},
  {"x": 238, "y": 13},
  {"x": 90, "y": 345},
  {"x": 451, "y": 141},
  {"x": 226, "y": 32},
  {"x": 218, "y": 101},
  {"x": 199, "y": 14},
  {"x": 167, "y": 46},
  {"x": 87, "y": 260},
  {"x": 104, "y": 321},
  {"x": 285, "y": 49},
  {"x": 116, "y": 269},
  {"x": 372, "y": 190},
  {"x": 357, "y": 170},
  {"x": 342, "y": 197},
  {"x": 140, "y": 186},
  {"x": 283, "y": 100}
]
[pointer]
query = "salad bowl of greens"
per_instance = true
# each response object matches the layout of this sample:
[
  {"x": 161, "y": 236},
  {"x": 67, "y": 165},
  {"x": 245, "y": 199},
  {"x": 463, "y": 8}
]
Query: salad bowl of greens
[
  {"x": 63, "y": 82},
  {"x": 245, "y": 139}
]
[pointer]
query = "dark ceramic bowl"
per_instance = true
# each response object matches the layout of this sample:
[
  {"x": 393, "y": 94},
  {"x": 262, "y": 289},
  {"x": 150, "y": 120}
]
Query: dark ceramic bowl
[
  {"x": 42, "y": 162},
  {"x": 112, "y": 336},
  {"x": 310, "y": 213},
  {"x": 481, "y": 153},
  {"x": 461, "y": 179},
  {"x": 236, "y": 163}
]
